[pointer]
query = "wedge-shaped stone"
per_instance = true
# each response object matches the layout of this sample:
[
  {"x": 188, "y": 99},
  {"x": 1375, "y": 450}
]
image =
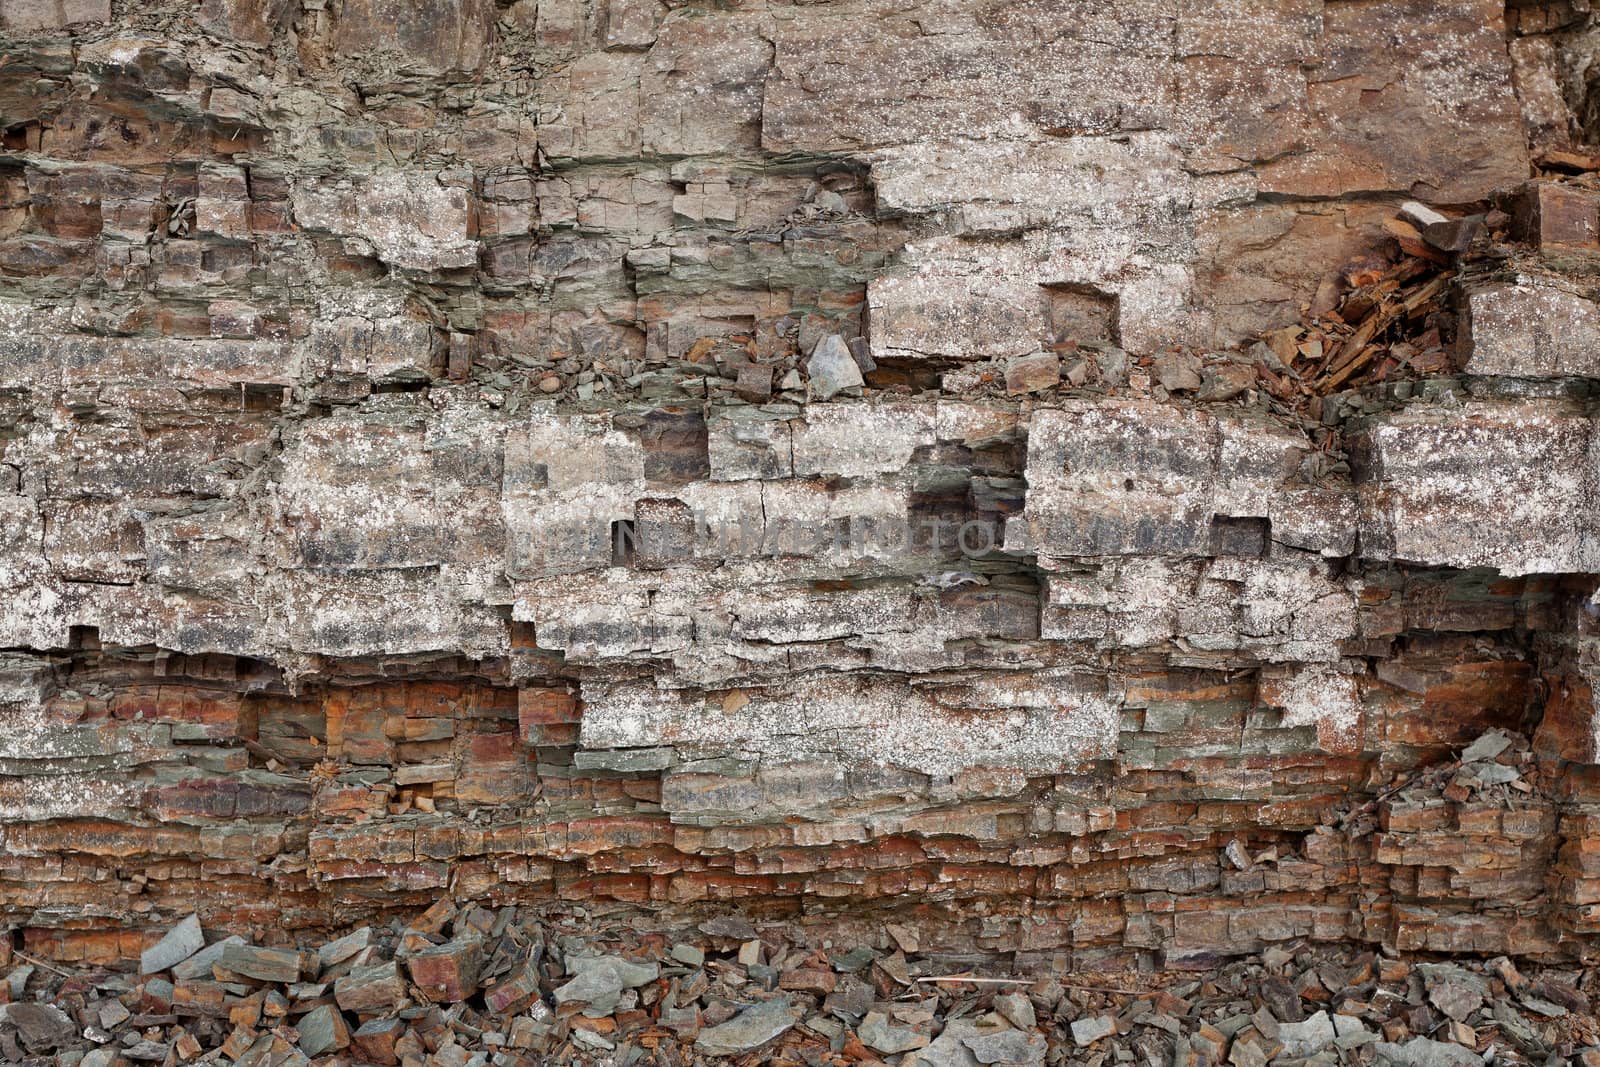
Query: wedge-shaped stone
[{"x": 181, "y": 942}]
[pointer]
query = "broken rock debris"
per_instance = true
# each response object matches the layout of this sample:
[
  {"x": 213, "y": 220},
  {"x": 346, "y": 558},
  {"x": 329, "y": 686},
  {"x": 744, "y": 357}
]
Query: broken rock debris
[{"x": 593, "y": 991}]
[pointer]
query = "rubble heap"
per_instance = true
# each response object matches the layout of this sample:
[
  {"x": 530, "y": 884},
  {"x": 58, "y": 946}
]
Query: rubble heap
[{"x": 474, "y": 987}]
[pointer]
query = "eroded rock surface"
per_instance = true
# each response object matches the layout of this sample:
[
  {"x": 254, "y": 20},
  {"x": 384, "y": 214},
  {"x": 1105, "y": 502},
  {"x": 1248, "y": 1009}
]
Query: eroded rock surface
[{"x": 811, "y": 457}]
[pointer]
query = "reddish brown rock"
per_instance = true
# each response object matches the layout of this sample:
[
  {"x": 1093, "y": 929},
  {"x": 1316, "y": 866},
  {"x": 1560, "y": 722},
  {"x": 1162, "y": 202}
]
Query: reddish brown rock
[{"x": 448, "y": 973}]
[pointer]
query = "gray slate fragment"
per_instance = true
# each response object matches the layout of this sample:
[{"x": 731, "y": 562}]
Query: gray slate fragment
[
  {"x": 1089, "y": 1030},
  {"x": 1485, "y": 773},
  {"x": 1309, "y": 1037},
  {"x": 1247, "y": 1053},
  {"x": 262, "y": 964},
  {"x": 949, "y": 1049},
  {"x": 688, "y": 955},
  {"x": 319, "y": 1031},
  {"x": 598, "y": 982},
  {"x": 199, "y": 965},
  {"x": 336, "y": 952},
  {"x": 40, "y": 1026},
  {"x": 113, "y": 1014},
  {"x": 1548, "y": 1009},
  {"x": 832, "y": 368},
  {"x": 179, "y": 943},
  {"x": 146, "y": 1051},
  {"x": 1017, "y": 1010},
  {"x": 734, "y": 926},
  {"x": 751, "y": 1028},
  {"x": 1007, "y": 1047},
  {"x": 1426, "y": 1052},
  {"x": 1487, "y": 746},
  {"x": 876, "y": 1032},
  {"x": 851, "y": 998},
  {"x": 1455, "y": 999},
  {"x": 17, "y": 980}
]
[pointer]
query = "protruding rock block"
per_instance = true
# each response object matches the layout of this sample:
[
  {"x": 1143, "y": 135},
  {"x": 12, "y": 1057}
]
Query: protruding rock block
[
  {"x": 1507, "y": 486},
  {"x": 1558, "y": 219},
  {"x": 1531, "y": 328}
]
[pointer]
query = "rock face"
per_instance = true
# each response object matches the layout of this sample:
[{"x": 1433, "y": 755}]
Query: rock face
[{"x": 809, "y": 455}]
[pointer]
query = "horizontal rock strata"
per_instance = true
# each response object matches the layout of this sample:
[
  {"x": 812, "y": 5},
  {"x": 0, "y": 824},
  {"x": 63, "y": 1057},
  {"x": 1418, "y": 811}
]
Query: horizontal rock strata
[{"x": 813, "y": 458}]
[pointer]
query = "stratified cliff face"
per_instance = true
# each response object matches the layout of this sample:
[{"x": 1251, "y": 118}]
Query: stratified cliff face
[{"x": 1014, "y": 463}]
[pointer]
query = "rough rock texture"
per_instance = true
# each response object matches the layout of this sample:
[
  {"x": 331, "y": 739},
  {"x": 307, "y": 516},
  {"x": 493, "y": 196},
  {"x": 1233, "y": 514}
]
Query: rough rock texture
[{"x": 683, "y": 454}]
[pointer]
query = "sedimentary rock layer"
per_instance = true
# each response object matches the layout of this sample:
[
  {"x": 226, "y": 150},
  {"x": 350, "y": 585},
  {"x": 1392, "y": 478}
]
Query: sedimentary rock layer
[{"x": 810, "y": 456}]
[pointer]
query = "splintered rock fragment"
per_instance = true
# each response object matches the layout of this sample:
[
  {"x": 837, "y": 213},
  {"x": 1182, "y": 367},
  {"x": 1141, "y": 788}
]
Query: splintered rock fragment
[
  {"x": 371, "y": 989},
  {"x": 754, "y": 383},
  {"x": 40, "y": 1026},
  {"x": 877, "y": 1033},
  {"x": 1453, "y": 235},
  {"x": 1309, "y": 1037},
  {"x": 1032, "y": 373},
  {"x": 1087, "y": 1031},
  {"x": 1487, "y": 746},
  {"x": 1225, "y": 381},
  {"x": 337, "y": 951},
  {"x": 1178, "y": 372},
  {"x": 146, "y": 1051},
  {"x": 322, "y": 1030},
  {"x": 949, "y": 1049},
  {"x": 1426, "y": 1052},
  {"x": 179, "y": 943},
  {"x": 1421, "y": 215},
  {"x": 751, "y": 1028},
  {"x": 1455, "y": 999},
  {"x": 1006, "y": 1046},
  {"x": 262, "y": 964},
  {"x": 375, "y": 1040},
  {"x": 598, "y": 982},
  {"x": 1017, "y": 1009},
  {"x": 832, "y": 368},
  {"x": 516, "y": 990}
]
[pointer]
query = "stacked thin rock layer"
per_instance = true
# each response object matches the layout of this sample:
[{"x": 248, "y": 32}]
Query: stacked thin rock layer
[{"x": 809, "y": 458}]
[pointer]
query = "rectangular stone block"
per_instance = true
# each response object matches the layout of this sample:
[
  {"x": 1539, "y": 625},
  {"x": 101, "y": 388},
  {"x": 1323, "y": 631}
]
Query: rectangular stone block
[
  {"x": 1118, "y": 478},
  {"x": 1530, "y": 329},
  {"x": 1487, "y": 485}
]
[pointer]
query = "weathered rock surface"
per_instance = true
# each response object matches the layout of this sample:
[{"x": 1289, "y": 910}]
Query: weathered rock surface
[{"x": 811, "y": 456}]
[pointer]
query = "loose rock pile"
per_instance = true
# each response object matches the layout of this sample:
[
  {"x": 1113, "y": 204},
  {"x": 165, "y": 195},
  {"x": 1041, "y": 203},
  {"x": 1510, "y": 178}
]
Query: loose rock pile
[{"x": 476, "y": 987}]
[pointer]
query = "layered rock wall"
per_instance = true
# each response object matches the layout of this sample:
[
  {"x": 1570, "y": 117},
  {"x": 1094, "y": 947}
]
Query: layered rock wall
[{"x": 680, "y": 455}]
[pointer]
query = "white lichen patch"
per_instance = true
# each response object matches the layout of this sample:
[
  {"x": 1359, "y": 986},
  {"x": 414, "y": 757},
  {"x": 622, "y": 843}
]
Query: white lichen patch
[
  {"x": 1041, "y": 727},
  {"x": 1321, "y": 696},
  {"x": 409, "y": 218}
]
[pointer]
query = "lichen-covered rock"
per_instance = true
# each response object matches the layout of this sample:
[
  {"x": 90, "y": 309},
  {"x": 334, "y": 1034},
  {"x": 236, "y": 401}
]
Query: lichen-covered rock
[
  {"x": 1502, "y": 486},
  {"x": 1531, "y": 330}
]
